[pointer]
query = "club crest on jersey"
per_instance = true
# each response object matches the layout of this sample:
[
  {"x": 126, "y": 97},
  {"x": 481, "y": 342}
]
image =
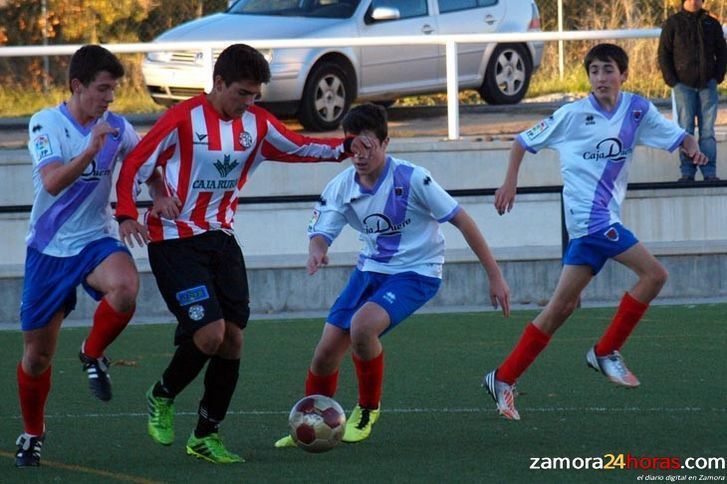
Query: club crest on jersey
[
  {"x": 637, "y": 114},
  {"x": 611, "y": 234},
  {"x": 536, "y": 130},
  {"x": 245, "y": 139},
  {"x": 42, "y": 146}
]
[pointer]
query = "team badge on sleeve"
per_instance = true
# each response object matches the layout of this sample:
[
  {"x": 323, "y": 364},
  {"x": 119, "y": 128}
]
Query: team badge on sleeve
[
  {"x": 313, "y": 220},
  {"x": 42, "y": 147},
  {"x": 536, "y": 130}
]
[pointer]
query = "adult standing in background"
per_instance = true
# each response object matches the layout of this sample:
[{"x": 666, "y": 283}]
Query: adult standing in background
[{"x": 692, "y": 58}]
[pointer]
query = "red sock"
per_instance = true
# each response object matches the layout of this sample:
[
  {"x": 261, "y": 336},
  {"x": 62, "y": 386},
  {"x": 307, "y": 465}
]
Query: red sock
[
  {"x": 107, "y": 325},
  {"x": 321, "y": 385},
  {"x": 627, "y": 316},
  {"x": 33, "y": 393},
  {"x": 370, "y": 380},
  {"x": 531, "y": 343}
]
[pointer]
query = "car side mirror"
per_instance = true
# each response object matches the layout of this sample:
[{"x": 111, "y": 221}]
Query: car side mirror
[{"x": 381, "y": 14}]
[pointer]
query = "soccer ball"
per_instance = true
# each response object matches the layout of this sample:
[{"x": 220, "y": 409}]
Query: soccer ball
[{"x": 317, "y": 423}]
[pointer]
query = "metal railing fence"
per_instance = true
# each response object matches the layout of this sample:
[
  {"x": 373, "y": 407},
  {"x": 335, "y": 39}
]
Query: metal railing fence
[{"x": 449, "y": 41}]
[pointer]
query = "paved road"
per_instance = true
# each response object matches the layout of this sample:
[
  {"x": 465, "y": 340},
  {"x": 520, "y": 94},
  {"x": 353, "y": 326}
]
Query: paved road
[{"x": 480, "y": 121}]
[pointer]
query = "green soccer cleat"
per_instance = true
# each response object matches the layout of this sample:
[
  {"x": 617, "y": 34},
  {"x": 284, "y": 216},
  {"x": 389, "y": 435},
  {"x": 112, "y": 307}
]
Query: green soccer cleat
[
  {"x": 161, "y": 418},
  {"x": 285, "y": 442},
  {"x": 211, "y": 449},
  {"x": 359, "y": 424}
]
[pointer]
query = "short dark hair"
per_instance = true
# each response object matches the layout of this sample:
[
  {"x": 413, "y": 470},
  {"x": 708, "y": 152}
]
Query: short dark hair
[
  {"x": 605, "y": 53},
  {"x": 89, "y": 60},
  {"x": 367, "y": 117},
  {"x": 240, "y": 62}
]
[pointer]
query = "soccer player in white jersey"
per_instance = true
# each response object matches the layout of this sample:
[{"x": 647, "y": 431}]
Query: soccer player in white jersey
[
  {"x": 595, "y": 138},
  {"x": 206, "y": 148},
  {"x": 397, "y": 208},
  {"x": 74, "y": 147}
]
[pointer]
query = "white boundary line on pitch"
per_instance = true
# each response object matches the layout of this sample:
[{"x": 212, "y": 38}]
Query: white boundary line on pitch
[{"x": 418, "y": 410}]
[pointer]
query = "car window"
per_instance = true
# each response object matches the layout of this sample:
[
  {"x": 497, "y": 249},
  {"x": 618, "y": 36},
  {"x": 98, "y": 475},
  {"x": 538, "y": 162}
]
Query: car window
[
  {"x": 407, "y": 8},
  {"x": 455, "y": 5},
  {"x": 297, "y": 8}
]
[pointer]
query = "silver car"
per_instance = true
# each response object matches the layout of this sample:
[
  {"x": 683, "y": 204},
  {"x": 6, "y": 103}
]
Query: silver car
[{"x": 318, "y": 85}]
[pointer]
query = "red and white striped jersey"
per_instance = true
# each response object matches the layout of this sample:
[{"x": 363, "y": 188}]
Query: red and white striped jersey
[{"x": 206, "y": 160}]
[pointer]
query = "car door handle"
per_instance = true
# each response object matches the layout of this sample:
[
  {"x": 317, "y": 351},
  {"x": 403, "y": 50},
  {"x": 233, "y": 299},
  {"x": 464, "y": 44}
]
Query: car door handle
[
  {"x": 489, "y": 19},
  {"x": 427, "y": 29}
]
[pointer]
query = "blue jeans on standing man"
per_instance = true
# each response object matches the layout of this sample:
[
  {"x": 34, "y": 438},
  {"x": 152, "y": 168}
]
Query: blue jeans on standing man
[{"x": 701, "y": 104}]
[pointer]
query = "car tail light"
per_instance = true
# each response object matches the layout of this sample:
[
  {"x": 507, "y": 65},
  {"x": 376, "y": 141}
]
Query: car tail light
[{"x": 535, "y": 19}]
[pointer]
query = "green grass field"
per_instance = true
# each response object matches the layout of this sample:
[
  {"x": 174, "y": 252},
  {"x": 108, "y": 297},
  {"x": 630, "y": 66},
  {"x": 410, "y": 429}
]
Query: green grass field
[{"x": 437, "y": 424}]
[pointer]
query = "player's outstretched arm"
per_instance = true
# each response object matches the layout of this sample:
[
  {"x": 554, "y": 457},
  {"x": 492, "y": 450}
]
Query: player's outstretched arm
[
  {"x": 317, "y": 254},
  {"x": 690, "y": 147},
  {"x": 499, "y": 290},
  {"x": 505, "y": 195}
]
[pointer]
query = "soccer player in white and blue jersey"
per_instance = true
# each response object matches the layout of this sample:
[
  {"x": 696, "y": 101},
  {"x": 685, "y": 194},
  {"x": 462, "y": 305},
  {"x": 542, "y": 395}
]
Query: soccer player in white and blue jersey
[
  {"x": 397, "y": 208},
  {"x": 595, "y": 138},
  {"x": 74, "y": 147}
]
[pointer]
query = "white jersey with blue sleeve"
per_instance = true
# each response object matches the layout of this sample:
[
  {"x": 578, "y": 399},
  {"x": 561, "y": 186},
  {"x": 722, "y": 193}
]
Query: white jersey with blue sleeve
[
  {"x": 62, "y": 225},
  {"x": 596, "y": 148},
  {"x": 398, "y": 220}
]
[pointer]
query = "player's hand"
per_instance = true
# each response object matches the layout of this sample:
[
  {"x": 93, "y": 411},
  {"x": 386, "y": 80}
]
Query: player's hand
[
  {"x": 98, "y": 136},
  {"x": 315, "y": 262},
  {"x": 361, "y": 146},
  {"x": 500, "y": 294},
  {"x": 698, "y": 158},
  {"x": 166, "y": 206},
  {"x": 505, "y": 198},
  {"x": 130, "y": 230}
]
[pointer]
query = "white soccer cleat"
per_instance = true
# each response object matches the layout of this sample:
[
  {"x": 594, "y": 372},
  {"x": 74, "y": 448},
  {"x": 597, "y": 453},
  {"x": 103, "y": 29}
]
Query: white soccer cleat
[
  {"x": 613, "y": 366},
  {"x": 503, "y": 395}
]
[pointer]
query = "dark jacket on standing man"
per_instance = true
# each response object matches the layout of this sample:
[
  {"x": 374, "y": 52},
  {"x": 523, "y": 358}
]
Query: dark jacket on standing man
[{"x": 692, "y": 49}]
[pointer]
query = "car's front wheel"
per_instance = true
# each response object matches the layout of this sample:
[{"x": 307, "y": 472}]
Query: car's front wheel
[
  {"x": 327, "y": 97},
  {"x": 508, "y": 75}
]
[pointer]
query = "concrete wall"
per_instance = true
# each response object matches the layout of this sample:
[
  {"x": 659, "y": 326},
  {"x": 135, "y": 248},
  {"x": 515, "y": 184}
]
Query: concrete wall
[{"x": 687, "y": 228}]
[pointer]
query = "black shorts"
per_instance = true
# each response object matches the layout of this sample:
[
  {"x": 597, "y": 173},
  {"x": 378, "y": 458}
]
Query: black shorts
[{"x": 202, "y": 279}]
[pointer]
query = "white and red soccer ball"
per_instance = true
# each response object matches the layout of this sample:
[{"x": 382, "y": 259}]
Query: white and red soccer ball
[{"x": 317, "y": 423}]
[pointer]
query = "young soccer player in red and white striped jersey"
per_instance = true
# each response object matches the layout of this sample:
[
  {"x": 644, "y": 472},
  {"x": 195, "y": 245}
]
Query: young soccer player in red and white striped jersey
[{"x": 206, "y": 148}]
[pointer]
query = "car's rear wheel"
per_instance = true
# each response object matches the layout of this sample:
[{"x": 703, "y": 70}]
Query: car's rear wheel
[
  {"x": 508, "y": 75},
  {"x": 327, "y": 97}
]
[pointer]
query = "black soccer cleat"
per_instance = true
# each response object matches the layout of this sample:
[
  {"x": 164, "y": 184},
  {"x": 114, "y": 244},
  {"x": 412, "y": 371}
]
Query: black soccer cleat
[
  {"x": 28, "y": 454},
  {"x": 99, "y": 380}
]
